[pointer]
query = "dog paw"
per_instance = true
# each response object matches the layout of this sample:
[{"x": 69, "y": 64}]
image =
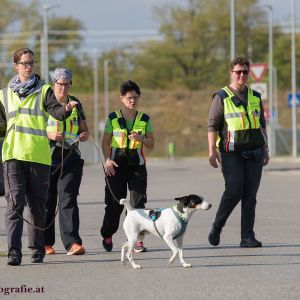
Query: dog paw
[
  {"x": 137, "y": 267},
  {"x": 186, "y": 265}
]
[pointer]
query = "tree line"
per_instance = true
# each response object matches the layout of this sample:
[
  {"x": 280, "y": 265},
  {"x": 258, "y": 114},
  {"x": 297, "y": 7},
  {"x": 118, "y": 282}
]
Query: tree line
[{"x": 193, "y": 53}]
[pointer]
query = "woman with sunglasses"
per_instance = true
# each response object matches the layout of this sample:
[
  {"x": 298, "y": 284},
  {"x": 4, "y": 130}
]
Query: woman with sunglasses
[
  {"x": 66, "y": 168},
  {"x": 25, "y": 105},
  {"x": 237, "y": 140}
]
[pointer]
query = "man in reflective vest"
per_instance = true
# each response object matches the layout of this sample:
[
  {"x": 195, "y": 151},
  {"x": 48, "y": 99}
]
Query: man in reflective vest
[
  {"x": 126, "y": 132},
  {"x": 24, "y": 109}
]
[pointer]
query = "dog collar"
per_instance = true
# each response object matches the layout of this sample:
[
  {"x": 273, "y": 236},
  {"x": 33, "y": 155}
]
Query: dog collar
[
  {"x": 183, "y": 221},
  {"x": 179, "y": 214}
]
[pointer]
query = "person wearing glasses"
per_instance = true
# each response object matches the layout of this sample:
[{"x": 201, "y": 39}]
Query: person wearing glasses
[
  {"x": 127, "y": 131},
  {"x": 66, "y": 168},
  {"x": 237, "y": 140},
  {"x": 24, "y": 109}
]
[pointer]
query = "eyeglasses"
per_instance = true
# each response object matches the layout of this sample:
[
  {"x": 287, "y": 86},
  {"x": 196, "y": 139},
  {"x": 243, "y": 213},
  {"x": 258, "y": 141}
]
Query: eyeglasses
[
  {"x": 239, "y": 72},
  {"x": 132, "y": 98},
  {"x": 27, "y": 64},
  {"x": 62, "y": 84}
]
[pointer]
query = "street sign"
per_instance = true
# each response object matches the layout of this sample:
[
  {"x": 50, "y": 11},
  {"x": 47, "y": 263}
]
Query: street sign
[
  {"x": 257, "y": 71},
  {"x": 297, "y": 100},
  {"x": 262, "y": 88}
]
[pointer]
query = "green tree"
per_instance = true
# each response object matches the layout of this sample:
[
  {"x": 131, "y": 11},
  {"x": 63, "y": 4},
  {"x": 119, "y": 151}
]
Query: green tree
[
  {"x": 22, "y": 26},
  {"x": 195, "y": 48}
]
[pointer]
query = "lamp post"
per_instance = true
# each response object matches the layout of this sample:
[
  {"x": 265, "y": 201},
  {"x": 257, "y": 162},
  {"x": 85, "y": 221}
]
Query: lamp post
[
  {"x": 232, "y": 29},
  {"x": 106, "y": 88},
  {"x": 270, "y": 67},
  {"x": 96, "y": 105},
  {"x": 45, "y": 60},
  {"x": 293, "y": 79}
]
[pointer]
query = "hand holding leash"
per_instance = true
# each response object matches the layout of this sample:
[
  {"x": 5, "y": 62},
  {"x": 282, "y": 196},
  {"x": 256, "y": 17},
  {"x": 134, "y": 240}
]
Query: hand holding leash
[
  {"x": 55, "y": 136},
  {"x": 110, "y": 167},
  {"x": 83, "y": 136}
]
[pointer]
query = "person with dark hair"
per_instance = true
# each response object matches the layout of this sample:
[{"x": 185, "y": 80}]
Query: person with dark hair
[
  {"x": 24, "y": 109},
  {"x": 66, "y": 168},
  {"x": 237, "y": 139},
  {"x": 126, "y": 133}
]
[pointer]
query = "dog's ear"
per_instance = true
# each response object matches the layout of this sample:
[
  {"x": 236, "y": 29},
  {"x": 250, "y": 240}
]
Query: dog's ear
[
  {"x": 184, "y": 200},
  {"x": 179, "y": 198}
]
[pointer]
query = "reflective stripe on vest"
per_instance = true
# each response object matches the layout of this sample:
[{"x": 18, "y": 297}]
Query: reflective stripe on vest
[
  {"x": 26, "y": 137},
  {"x": 71, "y": 129},
  {"x": 239, "y": 119},
  {"x": 120, "y": 138},
  {"x": 120, "y": 135}
]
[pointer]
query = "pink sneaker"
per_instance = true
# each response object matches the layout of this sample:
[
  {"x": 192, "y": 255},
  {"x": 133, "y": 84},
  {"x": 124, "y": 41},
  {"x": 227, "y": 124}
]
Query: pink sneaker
[{"x": 139, "y": 247}]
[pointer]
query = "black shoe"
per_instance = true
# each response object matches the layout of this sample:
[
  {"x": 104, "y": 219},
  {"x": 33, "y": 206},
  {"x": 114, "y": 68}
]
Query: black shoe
[
  {"x": 250, "y": 243},
  {"x": 214, "y": 236},
  {"x": 37, "y": 257},
  {"x": 14, "y": 260},
  {"x": 107, "y": 244}
]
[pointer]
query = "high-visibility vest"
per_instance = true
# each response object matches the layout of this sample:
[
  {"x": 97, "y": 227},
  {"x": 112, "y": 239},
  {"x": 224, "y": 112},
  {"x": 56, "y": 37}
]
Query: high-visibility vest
[
  {"x": 124, "y": 150},
  {"x": 69, "y": 127},
  {"x": 26, "y": 136},
  {"x": 243, "y": 124}
]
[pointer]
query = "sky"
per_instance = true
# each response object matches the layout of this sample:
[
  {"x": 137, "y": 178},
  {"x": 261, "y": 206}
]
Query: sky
[{"x": 132, "y": 15}]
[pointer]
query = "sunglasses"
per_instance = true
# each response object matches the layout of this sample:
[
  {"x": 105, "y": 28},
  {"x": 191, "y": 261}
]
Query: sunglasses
[{"x": 240, "y": 72}]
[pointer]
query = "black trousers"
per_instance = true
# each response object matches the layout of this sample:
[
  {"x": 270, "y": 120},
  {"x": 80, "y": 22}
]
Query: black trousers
[
  {"x": 242, "y": 179},
  {"x": 25, "y": 182},
  {"x": 65, "y": 186},
  {"x": 135, "y": 178}
]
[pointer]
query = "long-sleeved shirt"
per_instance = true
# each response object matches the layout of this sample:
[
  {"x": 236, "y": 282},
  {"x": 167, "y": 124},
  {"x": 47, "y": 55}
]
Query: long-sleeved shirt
[
  {"x": 216, "y": 113},
  {"x": 51, "y": 105}
]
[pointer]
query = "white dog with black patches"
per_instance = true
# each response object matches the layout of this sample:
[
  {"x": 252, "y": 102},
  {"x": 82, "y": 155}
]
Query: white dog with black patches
[{"x": 168, "y": 223}]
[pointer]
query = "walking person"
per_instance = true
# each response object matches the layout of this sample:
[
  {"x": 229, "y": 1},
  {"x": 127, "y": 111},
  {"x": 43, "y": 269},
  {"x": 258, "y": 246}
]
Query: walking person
[
  {"x": 237, "y": 139},
  {"x": 24, "y": 109},
  {"x": 126, "y": 133},
  {"x": 66, "y": 168}
]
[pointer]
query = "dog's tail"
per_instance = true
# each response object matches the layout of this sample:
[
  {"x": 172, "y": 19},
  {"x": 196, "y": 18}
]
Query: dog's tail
[{"x": 125, "y": 202}]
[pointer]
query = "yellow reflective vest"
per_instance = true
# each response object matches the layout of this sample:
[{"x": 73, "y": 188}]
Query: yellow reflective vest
[
  {"x": 123, "y": 150},
  {"x": 26, "y": 137},
  {"x": 243, "y": 123},
  {"x": 69, "y": 127}
]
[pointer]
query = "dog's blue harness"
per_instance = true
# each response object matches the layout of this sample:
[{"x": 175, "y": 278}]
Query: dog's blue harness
[{"x": 154, "y": 214}]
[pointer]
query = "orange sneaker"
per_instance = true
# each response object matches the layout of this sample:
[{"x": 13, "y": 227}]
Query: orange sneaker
[
  {"x": 76, "y": 249},
  {"x": 49, "y": 250}
]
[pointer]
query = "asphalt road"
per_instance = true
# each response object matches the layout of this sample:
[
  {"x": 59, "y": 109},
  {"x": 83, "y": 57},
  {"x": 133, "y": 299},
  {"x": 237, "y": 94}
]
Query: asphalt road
[{"x": 224, "y": 272}]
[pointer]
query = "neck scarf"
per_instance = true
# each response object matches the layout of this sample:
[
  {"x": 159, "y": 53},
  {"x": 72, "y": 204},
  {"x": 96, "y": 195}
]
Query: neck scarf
[{"x": 25, "y": 88}]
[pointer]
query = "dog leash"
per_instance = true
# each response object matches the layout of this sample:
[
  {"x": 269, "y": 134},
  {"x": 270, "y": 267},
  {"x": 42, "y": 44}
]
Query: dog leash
[{"x": 101, "y": 160}]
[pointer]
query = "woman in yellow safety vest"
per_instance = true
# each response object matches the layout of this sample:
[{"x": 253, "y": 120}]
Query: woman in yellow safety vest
[
  {"x": 25, "y": 106},
  {"x": 237, "y": 139},
  {"x": 66, "y": 168},
  {"x": 126, "y": 133}
]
